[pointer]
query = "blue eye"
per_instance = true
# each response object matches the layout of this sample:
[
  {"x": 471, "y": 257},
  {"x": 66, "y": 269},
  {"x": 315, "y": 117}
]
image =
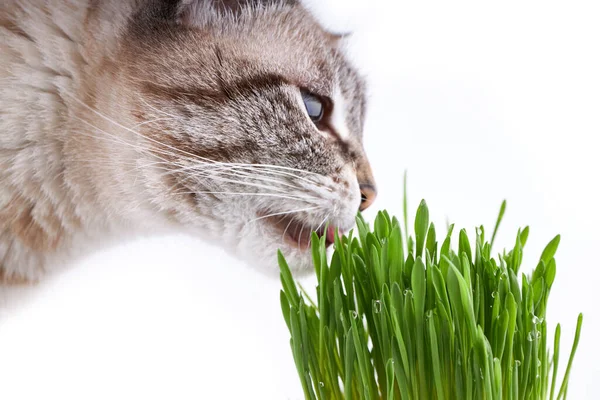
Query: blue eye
[{"x": 314, "y": 106}]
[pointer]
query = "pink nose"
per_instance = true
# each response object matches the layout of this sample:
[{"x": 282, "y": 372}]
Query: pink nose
[{"x": 368, "y": 193}]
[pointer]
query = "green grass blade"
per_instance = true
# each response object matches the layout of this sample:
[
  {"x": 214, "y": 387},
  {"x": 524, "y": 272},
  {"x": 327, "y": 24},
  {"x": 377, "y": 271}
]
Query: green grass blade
[
  {"x": 550, "y": 250},
  {"x": 349, "y": 364},
  {"x": 389, "y": 372},
  {"x": 555, "y": 359},
  {"x": 405, "y": 208},
  {"x": 285, "y": 308},
  {"x": 287, "y": 281},
  {"x": 563, "y": 387},
  {"x": 421, "y": 225},
  {"x": 435, "y": 359},
  {"x": 498, "y": 220},
  {"x": 408, "y": 322}
]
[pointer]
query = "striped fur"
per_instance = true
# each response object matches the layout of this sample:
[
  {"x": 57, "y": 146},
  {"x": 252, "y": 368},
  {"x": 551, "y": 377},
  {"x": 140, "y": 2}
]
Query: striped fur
[{"x": 121, "y": 117}]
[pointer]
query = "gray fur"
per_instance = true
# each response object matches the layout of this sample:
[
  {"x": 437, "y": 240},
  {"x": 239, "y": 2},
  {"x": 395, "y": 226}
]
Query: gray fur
[{"x": 123, "y": 117}]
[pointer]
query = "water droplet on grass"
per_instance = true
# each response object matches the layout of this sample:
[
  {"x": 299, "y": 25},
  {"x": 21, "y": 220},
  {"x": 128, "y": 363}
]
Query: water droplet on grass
[
  {"x": 537, "y": 320},
  {"x": 354, "y": 314},
  {"x": 377, "y": 306},
  {"x": 517, "y": 363},
  {"x": 494, "y": 294},
  {"x": 322, "y": 384}
]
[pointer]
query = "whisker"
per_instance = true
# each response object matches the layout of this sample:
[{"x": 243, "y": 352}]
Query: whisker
[
  {"x": 167, "y": 150},
  {"x": 241, "y": 194},
  {"x": 285, "y": 230},
  {"x": 205, "y": 171},
  {"x": 115, "y": 139},
  {"x": 150, "y": 122},
  {"x": 321, "y": 224},
  {"x": 139, "y": 134},
  {"x": 284, "y": 213},
  {"x": 300, "y": 235},
  {"x": 262, "y": 168}
]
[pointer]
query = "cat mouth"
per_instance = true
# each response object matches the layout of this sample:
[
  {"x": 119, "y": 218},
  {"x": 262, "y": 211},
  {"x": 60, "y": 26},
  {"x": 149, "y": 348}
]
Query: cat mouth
[{"x": 297, "y": 233}]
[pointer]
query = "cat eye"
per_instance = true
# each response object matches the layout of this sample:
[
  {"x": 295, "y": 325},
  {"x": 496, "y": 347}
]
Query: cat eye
[{"x": 314, "y": 106}]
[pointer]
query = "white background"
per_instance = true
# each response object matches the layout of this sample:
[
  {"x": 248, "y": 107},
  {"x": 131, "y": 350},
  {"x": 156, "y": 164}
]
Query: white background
[{"x": 478, "y": 102}]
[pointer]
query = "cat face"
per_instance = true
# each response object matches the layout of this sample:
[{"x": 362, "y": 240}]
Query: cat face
[{"x": 252, "y": 119}]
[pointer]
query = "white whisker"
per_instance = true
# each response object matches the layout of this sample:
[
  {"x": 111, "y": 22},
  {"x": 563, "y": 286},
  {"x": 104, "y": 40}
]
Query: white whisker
[
  {"x": 139, "y": 134},
  {"x": 321, "y": 224},
  {"x": 150, "y": 122},
  {"x": 285, "y": 230},
  {"x": 241, "y": 194},
  {"x": 284, "y": 213}
]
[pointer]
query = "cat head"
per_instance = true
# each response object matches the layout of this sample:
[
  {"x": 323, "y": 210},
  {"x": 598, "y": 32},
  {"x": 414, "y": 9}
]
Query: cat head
[{"x": 253, "y": 121}]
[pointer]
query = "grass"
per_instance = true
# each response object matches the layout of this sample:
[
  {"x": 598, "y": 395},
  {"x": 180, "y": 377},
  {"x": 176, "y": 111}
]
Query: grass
[{"x": 400, "y": 317}]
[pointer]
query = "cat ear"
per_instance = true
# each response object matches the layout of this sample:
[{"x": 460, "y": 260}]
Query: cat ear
[{"x": 192, "y": 12}]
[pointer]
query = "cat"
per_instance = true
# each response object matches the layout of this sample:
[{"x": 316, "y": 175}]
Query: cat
[{"x": 238, "y": 121}]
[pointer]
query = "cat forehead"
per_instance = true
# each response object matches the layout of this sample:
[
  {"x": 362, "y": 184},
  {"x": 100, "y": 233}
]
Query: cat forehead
[
  {"x": 290, "y": 42},
  {"x": 268, "y": 46},
  {"x": 277, "y": 36},
  {"x": 283, "y": 39}
]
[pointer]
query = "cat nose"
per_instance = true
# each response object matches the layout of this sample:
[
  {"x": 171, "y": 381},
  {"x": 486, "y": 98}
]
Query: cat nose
[
  {"x": 366, "y": 183},
  {"x": 368, "y": 193}
]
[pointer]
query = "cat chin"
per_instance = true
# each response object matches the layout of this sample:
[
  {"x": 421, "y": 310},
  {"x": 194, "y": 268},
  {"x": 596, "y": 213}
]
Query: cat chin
[
  {"x": 257, "y": 246},
  {"x": 263, "y": 258}
]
